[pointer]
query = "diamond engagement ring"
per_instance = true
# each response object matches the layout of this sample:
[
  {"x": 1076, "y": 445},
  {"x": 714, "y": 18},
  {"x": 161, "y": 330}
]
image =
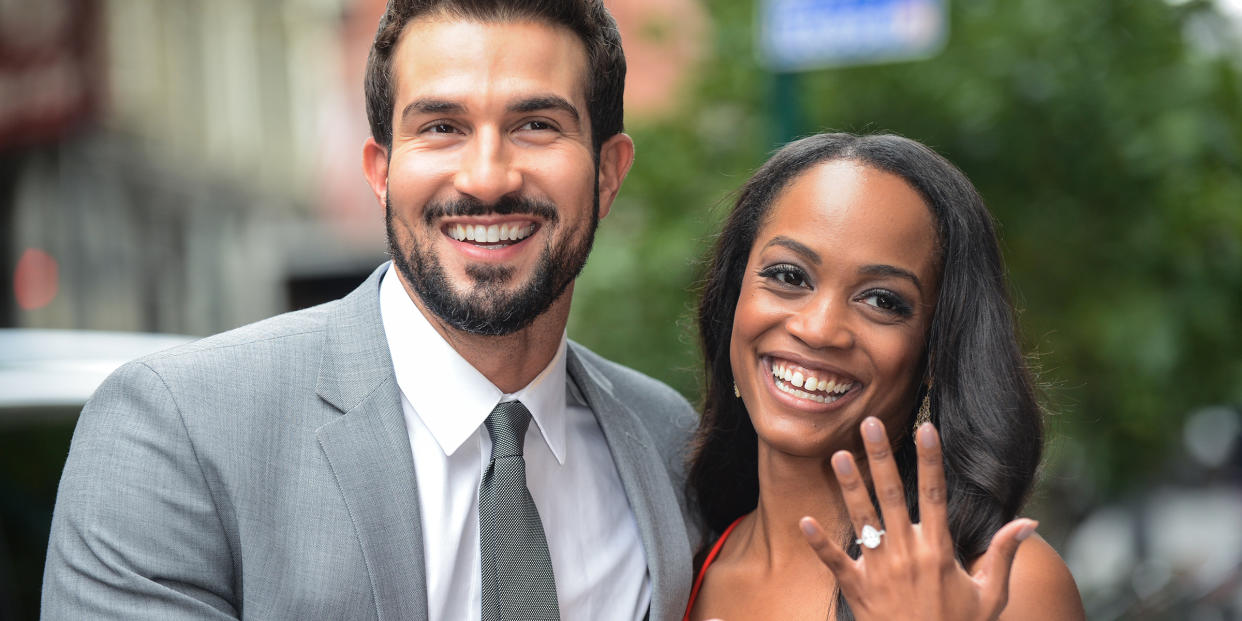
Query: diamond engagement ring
[{"x": 870, "y": 537}]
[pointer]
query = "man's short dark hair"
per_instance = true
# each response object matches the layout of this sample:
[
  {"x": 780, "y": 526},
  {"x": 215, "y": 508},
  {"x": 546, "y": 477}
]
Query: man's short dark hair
[{"x": 605, "y": 78}]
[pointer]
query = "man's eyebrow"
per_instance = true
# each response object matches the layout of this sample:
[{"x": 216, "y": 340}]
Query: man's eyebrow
[
  {"x": 798, "y": 247},
  {"x": 429, "y": 105},
  {"x": 546, "y": 102},
  {"x": 432, "y": 106},
  {"x": 892, "y": 270}
]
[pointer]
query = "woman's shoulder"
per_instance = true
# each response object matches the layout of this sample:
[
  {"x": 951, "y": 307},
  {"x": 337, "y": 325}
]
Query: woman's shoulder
[{"x": 1041, "y": 586}]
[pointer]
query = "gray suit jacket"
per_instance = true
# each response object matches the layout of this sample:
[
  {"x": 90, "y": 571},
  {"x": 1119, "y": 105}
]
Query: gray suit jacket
[{"x": 265, "y": 473}]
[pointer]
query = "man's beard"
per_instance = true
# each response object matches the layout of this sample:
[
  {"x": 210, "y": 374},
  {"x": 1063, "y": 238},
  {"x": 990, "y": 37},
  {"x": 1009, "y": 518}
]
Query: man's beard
[{"x": 487, "y": 308}]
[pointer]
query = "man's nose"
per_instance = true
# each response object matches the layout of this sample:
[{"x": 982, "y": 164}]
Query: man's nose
[
  {"x": 487, "y": 170},
  {"x": 824, "y": 322}
]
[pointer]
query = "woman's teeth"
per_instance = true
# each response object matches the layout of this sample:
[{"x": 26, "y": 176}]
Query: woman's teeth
[
  {"x": 490, "y": 234},
  {"x": 790, "y": 381}
]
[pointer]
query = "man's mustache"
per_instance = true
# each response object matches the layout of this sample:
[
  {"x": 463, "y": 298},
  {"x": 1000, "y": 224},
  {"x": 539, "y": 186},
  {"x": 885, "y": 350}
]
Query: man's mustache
[{"x": 507, "y": 205}]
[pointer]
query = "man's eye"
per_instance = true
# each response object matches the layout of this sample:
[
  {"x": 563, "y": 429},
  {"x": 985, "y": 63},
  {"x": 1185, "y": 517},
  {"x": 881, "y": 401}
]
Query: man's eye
[
  {"x": 442, "y": 128},
  {"x": 537, "y": 125}
]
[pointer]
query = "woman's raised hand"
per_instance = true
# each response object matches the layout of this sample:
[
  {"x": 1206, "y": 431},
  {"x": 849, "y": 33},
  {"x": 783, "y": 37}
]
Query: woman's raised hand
[{"x": 912, "y": 572}]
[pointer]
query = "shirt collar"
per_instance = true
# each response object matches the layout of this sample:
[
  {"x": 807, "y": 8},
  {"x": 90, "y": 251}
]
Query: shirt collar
[{"x": 450, "y": 396}]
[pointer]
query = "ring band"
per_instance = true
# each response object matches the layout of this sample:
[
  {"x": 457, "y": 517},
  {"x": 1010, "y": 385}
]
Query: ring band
[{"x": 870, "y": 538}]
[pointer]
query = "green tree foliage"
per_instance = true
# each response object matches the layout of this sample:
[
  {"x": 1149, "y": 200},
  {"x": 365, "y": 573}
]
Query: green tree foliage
[{"x": 1107, "y": 142}]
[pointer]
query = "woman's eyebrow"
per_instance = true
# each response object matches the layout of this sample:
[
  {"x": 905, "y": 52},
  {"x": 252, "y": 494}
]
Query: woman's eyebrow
[
  {"x": 796, "y": 246},
  {"x": 891, "y": 270}
]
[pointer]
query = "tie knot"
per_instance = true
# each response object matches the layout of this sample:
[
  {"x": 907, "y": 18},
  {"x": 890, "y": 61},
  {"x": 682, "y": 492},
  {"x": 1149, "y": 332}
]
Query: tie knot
[{"x": 507, "y": 426}]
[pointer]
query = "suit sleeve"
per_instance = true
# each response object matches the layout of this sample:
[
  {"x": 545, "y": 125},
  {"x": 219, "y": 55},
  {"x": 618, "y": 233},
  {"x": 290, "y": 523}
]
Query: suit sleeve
[{"x": 135, "y": 533}]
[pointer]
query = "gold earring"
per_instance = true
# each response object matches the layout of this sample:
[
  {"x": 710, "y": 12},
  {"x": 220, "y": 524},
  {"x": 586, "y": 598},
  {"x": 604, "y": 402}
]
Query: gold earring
[
  {"x": 736, "y": 393},
  {"x": 924, "y": 415}
]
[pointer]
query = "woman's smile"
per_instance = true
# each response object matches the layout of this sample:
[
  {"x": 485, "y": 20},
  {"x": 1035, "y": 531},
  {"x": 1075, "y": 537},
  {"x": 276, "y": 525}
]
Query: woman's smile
[{"x": 809, "y": 387}]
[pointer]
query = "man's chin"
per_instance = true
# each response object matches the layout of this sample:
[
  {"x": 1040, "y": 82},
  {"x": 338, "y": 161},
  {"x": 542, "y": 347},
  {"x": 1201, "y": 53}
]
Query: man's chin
[{"x": 497, "y": 279}]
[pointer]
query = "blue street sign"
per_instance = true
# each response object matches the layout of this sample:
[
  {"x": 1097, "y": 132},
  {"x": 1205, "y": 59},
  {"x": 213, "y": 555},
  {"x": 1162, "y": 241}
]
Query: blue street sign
[{"x": 801, "y": 35}]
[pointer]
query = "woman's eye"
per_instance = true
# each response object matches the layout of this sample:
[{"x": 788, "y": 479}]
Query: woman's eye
[
  {"x": 791, "y": 278},
  {"x": 786, "y": 274},
  {"x": 880, "y": 300},
  {"x": 887, "y": 301}
]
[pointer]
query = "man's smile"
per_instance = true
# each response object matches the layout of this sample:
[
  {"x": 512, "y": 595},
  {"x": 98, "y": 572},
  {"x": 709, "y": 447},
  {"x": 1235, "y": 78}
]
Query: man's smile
[{"x": 494, "y": 234}]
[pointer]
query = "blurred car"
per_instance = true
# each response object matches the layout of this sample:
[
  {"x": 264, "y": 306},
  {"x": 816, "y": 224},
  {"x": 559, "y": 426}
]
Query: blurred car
[
  {"x": 45, "y": 378},
  {"x": 51, "y": 373},
  {"x": 1170, "y": 550}
]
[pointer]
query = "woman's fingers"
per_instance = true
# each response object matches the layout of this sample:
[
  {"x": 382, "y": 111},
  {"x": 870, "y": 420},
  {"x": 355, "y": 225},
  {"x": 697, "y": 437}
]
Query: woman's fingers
[
  {"x": 831, "y": 554},
  {"x": 887, "y": 481},
  {"x": 993, "y": 572},
  {"x": 932, "y": 490},
  {"x": 911, "y": 564},
  {"x": 854, "y": 491}
]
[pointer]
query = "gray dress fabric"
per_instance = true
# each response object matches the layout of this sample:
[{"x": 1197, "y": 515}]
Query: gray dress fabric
[{"x": 265, "y": 473}]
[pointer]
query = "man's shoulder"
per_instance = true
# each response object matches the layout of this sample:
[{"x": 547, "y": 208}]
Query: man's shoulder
[
  {"x": 296, "y": 330},
  {"x": 220, "y": 382},
  {"x": 666, "y": 416},
  {"x": 273, "y": 340},
  {"x": 628, "y": 383}
]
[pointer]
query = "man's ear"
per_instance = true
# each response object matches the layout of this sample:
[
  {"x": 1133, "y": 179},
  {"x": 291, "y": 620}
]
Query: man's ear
[
  {"x": 616, "y": 156},
  {"x": 375, "y": 169}
]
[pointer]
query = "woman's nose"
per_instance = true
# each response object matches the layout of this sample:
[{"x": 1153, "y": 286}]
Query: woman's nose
[{"x": 823, "y": 322}]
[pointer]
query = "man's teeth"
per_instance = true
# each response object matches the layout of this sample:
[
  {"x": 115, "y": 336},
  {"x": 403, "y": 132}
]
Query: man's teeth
[
  {"x": 790, "y": 380},
  {"x": 491, "y": 234}
]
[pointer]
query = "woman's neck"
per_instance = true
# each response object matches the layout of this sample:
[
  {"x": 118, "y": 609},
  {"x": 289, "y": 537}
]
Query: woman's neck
[{"x": 791, "y": 488}]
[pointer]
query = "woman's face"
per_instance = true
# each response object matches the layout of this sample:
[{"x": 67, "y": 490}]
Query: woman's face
[{"x": 838, "y": 292}]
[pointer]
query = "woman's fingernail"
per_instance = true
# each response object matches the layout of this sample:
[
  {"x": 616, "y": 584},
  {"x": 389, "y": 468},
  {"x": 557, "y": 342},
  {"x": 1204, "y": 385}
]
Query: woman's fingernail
[
  {"x": 844, "y": 463},
  {"x": 872, "y": 430},
  {"x": 927, "y": 436},
  {"x": 808, "y": 527},
  {"x": 1026, "y": 530}
]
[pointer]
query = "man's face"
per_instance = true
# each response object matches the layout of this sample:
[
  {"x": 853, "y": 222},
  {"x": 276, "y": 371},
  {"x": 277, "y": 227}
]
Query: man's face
[{"x": 491, "y": 185}]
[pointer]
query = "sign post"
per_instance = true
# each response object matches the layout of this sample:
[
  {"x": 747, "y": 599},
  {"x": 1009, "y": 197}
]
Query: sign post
[{"x": 805, "y": 35}]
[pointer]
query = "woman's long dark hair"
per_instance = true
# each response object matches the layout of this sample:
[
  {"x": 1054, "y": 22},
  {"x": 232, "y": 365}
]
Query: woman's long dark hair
[{"x": 982, "y": 401}]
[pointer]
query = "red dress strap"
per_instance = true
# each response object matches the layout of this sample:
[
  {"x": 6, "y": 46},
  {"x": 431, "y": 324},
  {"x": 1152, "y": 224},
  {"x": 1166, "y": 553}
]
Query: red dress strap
[{"x": 711, "y": 556}]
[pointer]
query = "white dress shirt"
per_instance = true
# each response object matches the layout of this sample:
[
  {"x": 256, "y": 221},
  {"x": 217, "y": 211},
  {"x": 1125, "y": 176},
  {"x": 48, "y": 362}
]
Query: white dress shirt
[{"x": 593, "y": 541}]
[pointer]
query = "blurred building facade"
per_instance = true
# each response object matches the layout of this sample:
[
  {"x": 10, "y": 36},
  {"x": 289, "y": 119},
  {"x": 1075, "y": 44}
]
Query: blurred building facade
[
  {"x": 204, "y": 172},
  {"x": 191, "y": 166}
]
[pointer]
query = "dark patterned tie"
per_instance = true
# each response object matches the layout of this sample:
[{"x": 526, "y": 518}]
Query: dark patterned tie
[{"x": 513, "y": 554}]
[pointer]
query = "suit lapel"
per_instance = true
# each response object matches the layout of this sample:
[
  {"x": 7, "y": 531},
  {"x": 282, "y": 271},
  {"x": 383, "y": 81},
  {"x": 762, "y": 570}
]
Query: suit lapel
[
  {"x": 647, "y": 487},
  {"x": 368, "y": 450}
]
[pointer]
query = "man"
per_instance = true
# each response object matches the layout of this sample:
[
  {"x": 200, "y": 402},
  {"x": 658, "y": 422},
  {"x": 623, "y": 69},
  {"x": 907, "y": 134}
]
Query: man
[{"x": 366, "y": 459}]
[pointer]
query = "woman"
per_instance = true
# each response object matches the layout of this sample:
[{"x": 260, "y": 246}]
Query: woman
[{"x": 857, "y": 288}]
